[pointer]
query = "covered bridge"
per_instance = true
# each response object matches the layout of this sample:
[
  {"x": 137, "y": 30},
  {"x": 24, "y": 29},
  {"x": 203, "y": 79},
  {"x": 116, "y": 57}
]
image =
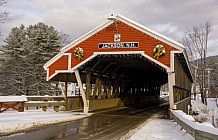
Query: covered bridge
[{"x": 122, "y": 62}]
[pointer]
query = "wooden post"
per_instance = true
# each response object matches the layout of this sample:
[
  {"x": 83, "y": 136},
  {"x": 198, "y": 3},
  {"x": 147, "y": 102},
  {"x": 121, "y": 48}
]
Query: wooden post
[
  {"x": 95, "y": 87},
  {"x": 171, "y": 83},
  {"x": 109, "y": 88},
  {"x": 106, "y": 87},
  {"x": 65, "y": 94},
  {"x": 99, "y": 86},
  {"x": 86, "y": 107},
  {"x": 116, "y": 86},
  {"x": 88, "y": 85}
]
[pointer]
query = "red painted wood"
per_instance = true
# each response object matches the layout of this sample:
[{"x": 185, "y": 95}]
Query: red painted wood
[
  {"x": 12, "y": 105},
  {"x": 128, "y": 34},
  {"x": 60, "y": 64}
]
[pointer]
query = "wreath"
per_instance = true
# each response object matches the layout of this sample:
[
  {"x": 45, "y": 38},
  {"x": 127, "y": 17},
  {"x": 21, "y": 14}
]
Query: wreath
[
  {"x": 78, "y": 53},
  {"x": 159, "y": 51}
]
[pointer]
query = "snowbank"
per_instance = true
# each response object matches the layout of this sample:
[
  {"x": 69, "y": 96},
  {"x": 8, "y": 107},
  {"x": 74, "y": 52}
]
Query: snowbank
[
  {"x": 160, "y": 129},
  {"x": 205, "y": 127},
  {"x": 205, "y": 112},
  {"x": 13, "y": 122}
]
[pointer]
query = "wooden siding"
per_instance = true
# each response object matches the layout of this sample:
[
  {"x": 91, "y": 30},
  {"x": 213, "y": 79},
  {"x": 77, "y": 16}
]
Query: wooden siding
[
  {"x": 60, "y": 64},
  {"x": 106, "y": 35},
  {"x": 181, "y": 78}
]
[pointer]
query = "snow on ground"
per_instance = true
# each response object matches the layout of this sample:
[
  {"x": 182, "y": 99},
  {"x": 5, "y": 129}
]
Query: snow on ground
[
  {"x": 205, "y": 112},
  {"x": 156, "y": 129},
  {"x": 161, "y": 129},
  {"x": 13, "y": 121}
]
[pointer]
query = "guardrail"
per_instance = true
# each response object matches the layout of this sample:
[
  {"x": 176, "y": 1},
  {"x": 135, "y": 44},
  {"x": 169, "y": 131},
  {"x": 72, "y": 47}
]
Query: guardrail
[
  {"x": 183, "y": 104},
  {"x": 44, "y": 102},
  {"x": 195, "y": 130}
]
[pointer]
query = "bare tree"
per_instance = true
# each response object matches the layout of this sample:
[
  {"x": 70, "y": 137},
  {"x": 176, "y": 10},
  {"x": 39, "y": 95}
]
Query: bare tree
[
  {"x": 65, "y": 39},
  {"x": 3, "y": 15},
  {"x": 196, "y": 41}
]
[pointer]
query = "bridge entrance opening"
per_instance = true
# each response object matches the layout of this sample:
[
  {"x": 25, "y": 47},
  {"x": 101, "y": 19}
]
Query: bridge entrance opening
[{"x": 122, "y": 63}]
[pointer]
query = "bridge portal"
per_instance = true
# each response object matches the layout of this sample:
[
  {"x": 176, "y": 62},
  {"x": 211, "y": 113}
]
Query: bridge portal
[{"x": 122, "y": 63}]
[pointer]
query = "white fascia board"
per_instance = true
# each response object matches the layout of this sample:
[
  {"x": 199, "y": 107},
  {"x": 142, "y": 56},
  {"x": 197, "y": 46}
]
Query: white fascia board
[
  {"x": 100, "y": 53},
  {"x": 85, "y": 61},
  {"x": 86, "y": 36},
  {"x": 69, "y": 60},
  {"x": 56, "y": 57},
  {"x": 47, "y": 77},
  {"x": 120, "y": 52},
  {"x": 150, "y": 32},
  {"x": 56, "y": 72},
  {"x": 172, "y": 60},
  {"x": 155, "y": 61},
  {"x": 76, "y": 42},
  {"x": 188, "y": 63}
]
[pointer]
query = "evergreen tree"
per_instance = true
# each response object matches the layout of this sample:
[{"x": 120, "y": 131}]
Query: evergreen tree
[
  {"x": 44, "y": 43},
  {"x": 12, "y": 72},
  {"x": 25, "y": 53}
]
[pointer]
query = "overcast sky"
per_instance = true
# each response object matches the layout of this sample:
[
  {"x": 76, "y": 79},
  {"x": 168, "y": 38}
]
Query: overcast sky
[{"x": 77, "y": 17}]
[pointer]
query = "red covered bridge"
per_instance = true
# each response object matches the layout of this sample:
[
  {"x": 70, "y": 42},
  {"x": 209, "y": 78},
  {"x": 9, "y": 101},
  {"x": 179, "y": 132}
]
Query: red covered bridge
[{"x": 123, "y": 63}]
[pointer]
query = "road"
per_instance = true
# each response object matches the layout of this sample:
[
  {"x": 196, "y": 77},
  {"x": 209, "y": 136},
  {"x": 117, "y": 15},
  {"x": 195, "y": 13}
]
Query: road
[{"x": 107, "y": 125}]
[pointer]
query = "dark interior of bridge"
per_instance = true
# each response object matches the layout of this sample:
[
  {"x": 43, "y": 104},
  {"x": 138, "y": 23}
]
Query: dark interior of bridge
[{"x": 132, "y": 67}]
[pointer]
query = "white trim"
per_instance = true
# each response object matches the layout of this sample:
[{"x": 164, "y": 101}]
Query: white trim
[
  {"x": 187, "y": 61},
  {"x": 172, "y": 60},
  {"x": 157, "y": 62},
  {"x": 86, "y": 36},
  {"x": 114, "y": 43},
  {"x": 69, "y": 60},
  {"x": 56, "y": 57},
  {"x": 101, "y": 53},
  {"x": 47, "y": 77},
  {"x": 77, "y": 41},
  {"x": 58, "y": 71},
  {"x": 80, "y": 64},
  {"x": 68, "y": 66},
  {"x": 171, "y": 83},
  {"x": 150, "y": 32},
  {"x": 52, "y": 75},
  {"x": 119, "y": 52},
  {"x": 107, "y": 23}
]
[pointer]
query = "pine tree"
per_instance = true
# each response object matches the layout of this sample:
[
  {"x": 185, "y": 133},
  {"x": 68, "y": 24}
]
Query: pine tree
[
  {"x": 12, "y": 72},
  {"x": 44, "y": 44},
  {"x": 25, "y": 53}
]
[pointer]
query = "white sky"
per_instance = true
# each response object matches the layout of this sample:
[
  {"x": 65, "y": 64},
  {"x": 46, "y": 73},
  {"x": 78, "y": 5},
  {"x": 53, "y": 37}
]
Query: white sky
[{"x": 77, "y": 17}]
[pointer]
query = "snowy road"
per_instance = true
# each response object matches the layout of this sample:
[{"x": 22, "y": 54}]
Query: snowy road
[{"x": 105, "y": 125}]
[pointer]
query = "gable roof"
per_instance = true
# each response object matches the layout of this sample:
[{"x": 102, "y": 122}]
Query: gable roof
[{"x": 125, "y": 20}]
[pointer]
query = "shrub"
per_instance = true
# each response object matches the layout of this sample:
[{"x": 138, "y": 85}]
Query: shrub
[
  {"x": 201, "y": 118},
  {"x": 204, "y": 110}
]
